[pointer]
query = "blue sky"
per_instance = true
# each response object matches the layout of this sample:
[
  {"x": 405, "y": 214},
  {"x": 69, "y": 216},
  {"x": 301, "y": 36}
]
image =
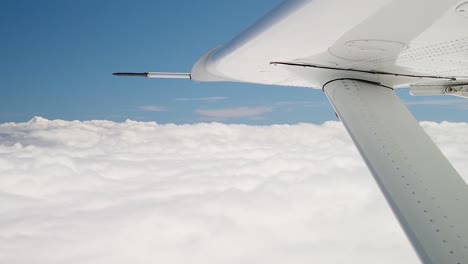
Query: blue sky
[{"x": 58, "y": 55}]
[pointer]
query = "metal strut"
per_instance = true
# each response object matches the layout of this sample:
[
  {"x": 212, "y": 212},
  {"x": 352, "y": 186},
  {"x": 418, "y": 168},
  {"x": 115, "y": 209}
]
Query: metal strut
[{"x": 425, "y": 192}]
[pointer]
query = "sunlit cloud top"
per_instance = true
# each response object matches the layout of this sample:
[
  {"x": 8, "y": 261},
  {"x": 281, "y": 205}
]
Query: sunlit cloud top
[{"x": 140, "y": 192}]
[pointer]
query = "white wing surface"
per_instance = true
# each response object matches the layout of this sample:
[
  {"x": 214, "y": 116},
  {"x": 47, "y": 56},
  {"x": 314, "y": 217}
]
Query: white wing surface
[
  {"x": 357, "y": 51},
  {"x": 413, "y": 37}
]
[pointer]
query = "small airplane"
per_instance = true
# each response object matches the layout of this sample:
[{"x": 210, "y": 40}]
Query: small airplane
[{"x": 358, "y": 52}]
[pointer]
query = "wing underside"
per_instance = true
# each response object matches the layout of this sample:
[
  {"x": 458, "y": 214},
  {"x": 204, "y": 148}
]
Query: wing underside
[{"x": 417, "y": 37}]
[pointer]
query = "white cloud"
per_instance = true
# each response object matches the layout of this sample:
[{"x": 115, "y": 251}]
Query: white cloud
[
  {"x": 153, "y": 108},
  {"x": 135, "y": 192},
  {"x": 226, "y": 113},
  {"x": 300, "y": 103},
  {"x": 209, "y": 99}
]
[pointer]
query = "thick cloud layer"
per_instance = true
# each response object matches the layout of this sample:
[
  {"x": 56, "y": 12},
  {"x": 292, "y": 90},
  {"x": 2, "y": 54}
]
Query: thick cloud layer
[{"x": 105, "y": 192}]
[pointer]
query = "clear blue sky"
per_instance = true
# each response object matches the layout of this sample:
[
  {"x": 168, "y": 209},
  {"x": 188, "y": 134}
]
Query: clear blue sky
[{"x": 57, "y": 57}]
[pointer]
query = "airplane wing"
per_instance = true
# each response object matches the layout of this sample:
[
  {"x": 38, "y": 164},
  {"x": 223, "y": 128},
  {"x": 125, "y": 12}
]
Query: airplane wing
[
  {"x": 416, "y": 38},
  {"x": 358, "y": 51}
]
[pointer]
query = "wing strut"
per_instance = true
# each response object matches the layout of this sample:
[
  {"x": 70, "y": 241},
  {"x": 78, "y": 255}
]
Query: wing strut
[{"x": 425, "y": 192}]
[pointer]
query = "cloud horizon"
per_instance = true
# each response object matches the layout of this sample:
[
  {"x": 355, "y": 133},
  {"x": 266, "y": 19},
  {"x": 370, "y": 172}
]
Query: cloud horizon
[{"x": 141, "y": 192}]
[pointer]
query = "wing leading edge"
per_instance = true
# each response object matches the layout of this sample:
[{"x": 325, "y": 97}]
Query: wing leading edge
[{"x": 415, "y": 37}]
